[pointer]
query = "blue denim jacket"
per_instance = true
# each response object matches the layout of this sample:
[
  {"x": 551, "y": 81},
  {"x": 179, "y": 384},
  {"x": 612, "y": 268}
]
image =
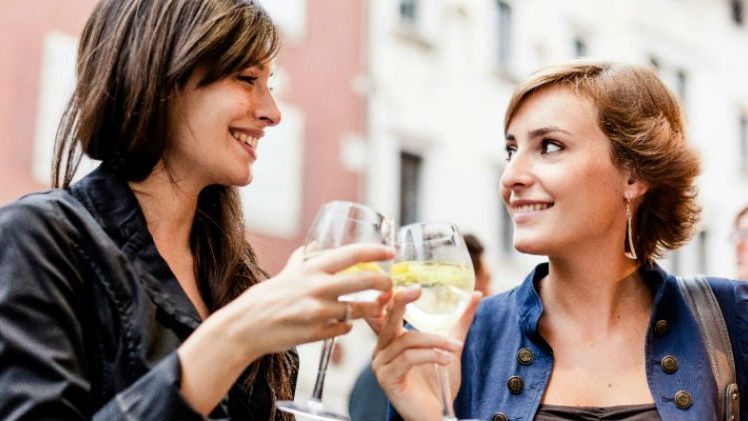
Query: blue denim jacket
[
  {"x": 91, "y": 316},
  {"x": 507, "y": 323}
]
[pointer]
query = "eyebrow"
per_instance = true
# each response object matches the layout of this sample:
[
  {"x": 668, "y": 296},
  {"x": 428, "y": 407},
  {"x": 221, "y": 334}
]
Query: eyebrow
[
  {"x": 261, "y": 68},
  {"x": 539, "y": 132}
]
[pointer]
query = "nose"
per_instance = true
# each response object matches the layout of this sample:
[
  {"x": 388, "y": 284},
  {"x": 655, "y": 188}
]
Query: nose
[
  {"x": 518, "y": 172},
  {"x": 267, "y": 109}
]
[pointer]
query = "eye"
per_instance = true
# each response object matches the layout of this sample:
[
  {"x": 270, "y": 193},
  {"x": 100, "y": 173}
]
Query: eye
[
  {"x": 247, "y": 79},
  {"x": 551, "y": 146},
  {"x": 510, "y": 151}
]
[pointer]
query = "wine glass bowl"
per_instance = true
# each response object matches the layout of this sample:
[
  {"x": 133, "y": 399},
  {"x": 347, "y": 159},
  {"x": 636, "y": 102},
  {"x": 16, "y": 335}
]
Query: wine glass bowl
[
  {"x": 339, "y": 223},
  {"x": 434, "y": 257}
]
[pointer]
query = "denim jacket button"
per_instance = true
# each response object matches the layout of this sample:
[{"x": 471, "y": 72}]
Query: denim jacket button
[
  {"x": 669, "y": 364},
  {"x": 661, "y": 327},
  {"x": 499, "y": 416},
  {"x": 683, "y": 399},
  {"x": 525, "y": 357},
  {"x": 515, "y": 384}
]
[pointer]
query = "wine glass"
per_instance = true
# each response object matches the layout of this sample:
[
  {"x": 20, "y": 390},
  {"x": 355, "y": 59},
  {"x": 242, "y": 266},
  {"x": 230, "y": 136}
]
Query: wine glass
[
  {"x": 339, "y": 223},
  {"x": 433, "y": 256}
]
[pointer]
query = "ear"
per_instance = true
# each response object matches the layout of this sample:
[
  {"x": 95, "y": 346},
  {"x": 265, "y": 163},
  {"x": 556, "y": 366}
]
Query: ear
[{"x": 635, "y": 187}]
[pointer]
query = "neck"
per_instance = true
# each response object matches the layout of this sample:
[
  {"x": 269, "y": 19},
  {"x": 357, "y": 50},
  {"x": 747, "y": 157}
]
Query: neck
[
  {"x": 169, "y": 205},
  {"x": 595, "y": 291}
]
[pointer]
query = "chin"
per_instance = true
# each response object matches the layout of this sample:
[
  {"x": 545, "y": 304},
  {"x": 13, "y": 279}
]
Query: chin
[
  {"x": 530, "y": 246},
  {"x": 246, "y": 181},
  {"x": 240, "y": 179}
]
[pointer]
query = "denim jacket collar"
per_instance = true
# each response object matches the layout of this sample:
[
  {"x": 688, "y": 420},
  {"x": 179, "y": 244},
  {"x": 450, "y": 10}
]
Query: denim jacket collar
[{"x": 531, "y": 307}]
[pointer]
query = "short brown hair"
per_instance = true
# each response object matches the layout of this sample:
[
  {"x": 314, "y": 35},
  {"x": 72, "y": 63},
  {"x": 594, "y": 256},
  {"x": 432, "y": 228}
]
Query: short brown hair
[{"x": 643, "y": 121}]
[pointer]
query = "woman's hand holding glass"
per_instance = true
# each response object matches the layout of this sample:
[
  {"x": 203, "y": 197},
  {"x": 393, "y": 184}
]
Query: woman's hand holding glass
[
  {"x": 297, "y": 306},
  {"x": 300, "y": 304},
  {"x": 433, "y": 280}
]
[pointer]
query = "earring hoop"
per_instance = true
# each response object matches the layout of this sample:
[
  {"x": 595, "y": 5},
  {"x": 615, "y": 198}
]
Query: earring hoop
[{"x": 628, "y": 248}]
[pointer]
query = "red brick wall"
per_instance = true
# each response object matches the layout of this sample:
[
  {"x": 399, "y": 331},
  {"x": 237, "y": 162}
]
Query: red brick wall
[{"x": 23, "y": 25}]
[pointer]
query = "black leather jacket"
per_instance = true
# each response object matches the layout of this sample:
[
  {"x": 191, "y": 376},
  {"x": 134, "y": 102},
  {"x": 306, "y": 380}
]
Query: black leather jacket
[{"x": 90, "y": 314}]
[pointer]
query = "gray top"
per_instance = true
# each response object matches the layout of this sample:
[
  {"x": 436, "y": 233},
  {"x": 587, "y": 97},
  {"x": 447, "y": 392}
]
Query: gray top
[{"x": 645, "y": 412}]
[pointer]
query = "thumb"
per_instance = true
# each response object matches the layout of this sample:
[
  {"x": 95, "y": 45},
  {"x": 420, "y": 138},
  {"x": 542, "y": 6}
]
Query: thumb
[{"x": 459, "y": 331}]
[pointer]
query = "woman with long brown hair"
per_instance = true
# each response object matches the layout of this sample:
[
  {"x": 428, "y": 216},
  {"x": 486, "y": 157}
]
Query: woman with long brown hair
[
  {"x": 600, "y": 179},
  {"x": 133, "y": 293}
]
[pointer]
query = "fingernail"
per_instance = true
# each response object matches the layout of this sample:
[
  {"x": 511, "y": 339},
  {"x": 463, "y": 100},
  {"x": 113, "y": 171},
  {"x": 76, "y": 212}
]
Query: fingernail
[
  {"x": 455, "y": 344},
  {"x": 412, "y": 291}
]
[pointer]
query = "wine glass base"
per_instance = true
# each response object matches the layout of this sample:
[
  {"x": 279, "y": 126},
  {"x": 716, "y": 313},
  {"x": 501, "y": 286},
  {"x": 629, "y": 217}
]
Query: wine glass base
[{"x": 310, "y": 411}]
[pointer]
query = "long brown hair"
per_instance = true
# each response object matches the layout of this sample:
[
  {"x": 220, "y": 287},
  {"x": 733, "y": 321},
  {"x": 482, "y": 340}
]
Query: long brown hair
[
  {"x": 133, "y": 59},
  {"x": 644, "y": 123}
]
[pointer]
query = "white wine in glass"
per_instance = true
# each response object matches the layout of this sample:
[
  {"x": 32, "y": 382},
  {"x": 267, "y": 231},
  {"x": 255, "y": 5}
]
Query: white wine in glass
[
  {"x": 339, "y": 223},
  {"x": 434, "y": 257},
  {"x": 446, "y": 291}
]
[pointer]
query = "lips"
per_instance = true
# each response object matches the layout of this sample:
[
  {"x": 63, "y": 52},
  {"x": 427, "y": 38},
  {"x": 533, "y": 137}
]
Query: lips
[
  {"x": 527, "y": 206},
  {"x": 525, "y": 210},
  {"x": 245, "y": 138},
  {"x": 248, "y": 140}
]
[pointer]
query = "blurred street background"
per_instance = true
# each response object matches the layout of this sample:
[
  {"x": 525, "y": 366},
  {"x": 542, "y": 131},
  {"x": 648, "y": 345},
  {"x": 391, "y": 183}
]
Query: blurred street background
[{"x": 399, "y": 104}]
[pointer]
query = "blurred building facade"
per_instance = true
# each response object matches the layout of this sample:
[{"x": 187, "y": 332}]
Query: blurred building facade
[{"x": 399, "y": 104}]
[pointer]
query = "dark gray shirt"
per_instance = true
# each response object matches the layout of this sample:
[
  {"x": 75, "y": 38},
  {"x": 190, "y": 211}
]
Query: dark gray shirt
[{"x": 646, "y": 412}]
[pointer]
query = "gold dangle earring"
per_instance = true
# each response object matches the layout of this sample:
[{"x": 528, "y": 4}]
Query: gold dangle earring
[{"x": 628, "y": 247}]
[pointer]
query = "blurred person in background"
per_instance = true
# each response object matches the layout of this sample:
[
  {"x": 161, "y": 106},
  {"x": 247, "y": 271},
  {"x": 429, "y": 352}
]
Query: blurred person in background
[
  {"x": 740, "y": 239},
  {"x": 482, "y": 272},
  {"x": 601, "y": 180},
  {"x": 133, "y": 293}
]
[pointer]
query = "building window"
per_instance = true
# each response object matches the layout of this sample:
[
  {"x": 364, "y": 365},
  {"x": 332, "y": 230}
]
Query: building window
[
  {"x": 56, "y": 85},
  {"x": 743, "y": 139},
  {"x": 272, "y": 203},
  {"x": 580, "y": 47},
  {"x": 409, "y": 10},
  {"x": 410, "y": 187},
  {"x": 736, "y": 7},
  {"x": 504, "y": 32}
]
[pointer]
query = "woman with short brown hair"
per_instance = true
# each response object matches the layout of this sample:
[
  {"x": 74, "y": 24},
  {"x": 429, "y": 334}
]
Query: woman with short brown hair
[{"x": 601, "y": 180}]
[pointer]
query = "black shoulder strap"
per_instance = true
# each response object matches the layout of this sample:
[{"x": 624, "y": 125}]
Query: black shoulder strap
[{"x": 705, "y": 308}]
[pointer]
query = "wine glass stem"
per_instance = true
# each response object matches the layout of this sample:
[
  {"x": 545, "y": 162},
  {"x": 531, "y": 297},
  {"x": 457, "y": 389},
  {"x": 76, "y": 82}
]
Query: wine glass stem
[
  {"x": 324, "y": 361},
  {"x": 448, "y": 413}
]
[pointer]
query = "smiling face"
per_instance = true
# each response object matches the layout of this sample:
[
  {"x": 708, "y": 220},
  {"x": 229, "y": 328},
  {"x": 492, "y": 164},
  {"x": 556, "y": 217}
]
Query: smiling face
[
  {"x": 215, "y": 128},
  {"x": 560, "y": 185}
]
